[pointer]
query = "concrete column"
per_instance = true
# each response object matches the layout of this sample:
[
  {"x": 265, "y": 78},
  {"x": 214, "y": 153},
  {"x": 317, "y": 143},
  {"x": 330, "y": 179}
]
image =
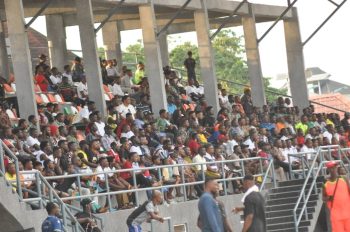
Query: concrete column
[
  {"x": 295, "y": 58},
  {"x": 4, "y": 62},
  {"x": 21, "y": 58},
  {"x": 56, "y": 38},
  {"x": 90, "y": 56},
  {"x": 112, "y": 43},
  {"x": 164, "y": 50},
  {"x": 153, "y": 58},
  {"x": 253, "y": 59},
  {"x": 206, "y": 57}
]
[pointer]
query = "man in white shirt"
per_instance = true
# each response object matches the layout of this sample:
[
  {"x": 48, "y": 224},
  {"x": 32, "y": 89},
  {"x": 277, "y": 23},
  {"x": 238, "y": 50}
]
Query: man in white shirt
[
  {"x": 308, "y": 149},
  {"x": 199, "y": 158},
  {"x": 100, "y": 125},
  {"x": 32, "y": 139},
  {"x": 253, "y": 138},
  {"x": 55, "y": 76},
  {"x": 67, "y": 73},
  {"x": 126, "y": 83},
  {"x": 115, "y": 88},
  {"x": 223, "y": 99},
  {"x": 82, "y": 89},
  {"x": 112, "y": 72},
  {"x": 126, "y": 107}
]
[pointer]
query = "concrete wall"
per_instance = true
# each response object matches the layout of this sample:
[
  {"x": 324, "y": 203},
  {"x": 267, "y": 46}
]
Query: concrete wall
[
  {"x": 180, "y": 213},
  {"x": 16, "y": 216}
]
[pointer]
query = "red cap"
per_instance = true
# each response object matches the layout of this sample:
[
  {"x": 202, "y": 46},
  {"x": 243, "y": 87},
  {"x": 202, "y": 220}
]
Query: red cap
[
  {"x": 331, "y": 164},
  {"x": 221, "y": 137}
]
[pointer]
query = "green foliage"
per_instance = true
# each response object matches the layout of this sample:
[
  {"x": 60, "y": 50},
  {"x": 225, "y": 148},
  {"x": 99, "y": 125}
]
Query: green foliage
[
  {"x": 133, "y": 54},
  {"x": 101, "y": 53},
  {"x": 272, "y": 97}
]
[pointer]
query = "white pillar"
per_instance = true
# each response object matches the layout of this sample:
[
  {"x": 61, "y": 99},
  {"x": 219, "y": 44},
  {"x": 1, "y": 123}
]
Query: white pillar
[
  {"x": 90, "y": 56},
  {"x": 112, "y": 40},
  {"x": 206, "y": 57},
  {"x": 4, "y": 62},
  {"x": 56, "y": 38},
  {"x": 253, "y": 59},
  {"x": 21, "y": 58},
  {"x": 153, "y": 58},
  {"x": 295, "y": 58},
  {"x": 164, "y": 50}
]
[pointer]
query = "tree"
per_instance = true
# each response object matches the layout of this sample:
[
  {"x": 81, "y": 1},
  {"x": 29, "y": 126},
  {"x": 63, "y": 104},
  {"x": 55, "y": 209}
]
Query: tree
[
  {"x": 101, "y": 53},
  {"x": 133, "y": 54},
  {"x": 230, "y": 65}
]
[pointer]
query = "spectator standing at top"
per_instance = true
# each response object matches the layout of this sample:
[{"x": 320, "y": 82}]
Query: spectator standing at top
[
  {"x": 146, "y": 212},
  {"x": 67, "y": 73},
  {"x": 77, "y": 69},
  {"x": 209, "y": 212},
  {"x": 139, "y": 74},
  {"x": 52, "y": 223},
  {"x": 41, "y": 80},
  {"x": 336, "y": 194},
  {"x": 246, "y": 101},
  {"x": 42, "y": 63},
  {"x": 190, "y": 65}
]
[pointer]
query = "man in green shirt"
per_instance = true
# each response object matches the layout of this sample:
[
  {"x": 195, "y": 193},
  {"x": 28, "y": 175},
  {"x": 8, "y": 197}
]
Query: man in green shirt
[
  {"x": 303, "y": 124},
  {"x": 139, "y": 74}
]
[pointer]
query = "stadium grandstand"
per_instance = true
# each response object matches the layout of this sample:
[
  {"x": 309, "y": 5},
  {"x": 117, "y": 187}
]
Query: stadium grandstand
[{"x": 91, "y": 141}]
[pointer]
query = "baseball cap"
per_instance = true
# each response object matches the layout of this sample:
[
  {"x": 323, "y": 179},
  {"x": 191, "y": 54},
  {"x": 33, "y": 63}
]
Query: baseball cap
[
  {"x": 331, "y": 164},
  {"x": 85, "y": 202}
]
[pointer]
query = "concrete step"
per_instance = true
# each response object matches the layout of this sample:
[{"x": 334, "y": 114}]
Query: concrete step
[
  {"x": 298, "y": 181},
  {"x": 286, "y": 212},
  {"x": 292, "y": 229},
  {"x": 290, "y": 206},
  {"x": 275, "y": 220},
  {"x": 284, "y": 225},
  {"x": 279, "y": 195},
  {"x": 289, "y": 200},
  {"x": 292, "y": 188}
]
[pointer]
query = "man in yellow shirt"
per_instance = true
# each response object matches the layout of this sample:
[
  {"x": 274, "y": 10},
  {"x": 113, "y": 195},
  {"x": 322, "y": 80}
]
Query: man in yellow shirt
[
  {"x": 302, "y": 124},
  {"x": 139, "y": 74},
  {"x": 10, "y": 175}
]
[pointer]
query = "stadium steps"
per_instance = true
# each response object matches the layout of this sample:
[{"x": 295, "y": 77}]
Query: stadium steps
[
  {"x": 280, "y": 202},
  {"x": 16, "y": 215}
]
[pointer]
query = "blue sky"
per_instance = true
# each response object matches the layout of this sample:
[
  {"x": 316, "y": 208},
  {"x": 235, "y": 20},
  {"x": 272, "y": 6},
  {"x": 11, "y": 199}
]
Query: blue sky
[{"x": 328, "y": 50}]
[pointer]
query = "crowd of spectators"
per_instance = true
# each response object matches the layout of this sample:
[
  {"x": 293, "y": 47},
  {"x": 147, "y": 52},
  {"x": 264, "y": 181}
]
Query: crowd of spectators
[{"x": 133, "y": 136}]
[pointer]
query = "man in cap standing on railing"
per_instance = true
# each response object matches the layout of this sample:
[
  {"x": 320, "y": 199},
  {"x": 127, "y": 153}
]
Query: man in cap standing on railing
[
  {"x": 52, "y": 223},
  {"x": 146, "y": 212},
  {"x": 336, "y": 193}
]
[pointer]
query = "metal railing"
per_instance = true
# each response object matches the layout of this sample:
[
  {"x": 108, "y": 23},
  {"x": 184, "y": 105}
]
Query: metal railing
[
  {"x": 316, "y": 168},
  {"x": 168, "y": 220},
  {"x": 109, "y": 192},
  {"x": 42, "y": 186}
]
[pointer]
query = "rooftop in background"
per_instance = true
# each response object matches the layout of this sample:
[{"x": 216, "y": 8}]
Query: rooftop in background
[{"x": 335, "y": 100}]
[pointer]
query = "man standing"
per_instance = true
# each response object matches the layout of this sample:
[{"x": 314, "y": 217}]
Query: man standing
[
  {"x": 209, "y": 211},
  {"x": 190, "y": 65},
  {"x": 146, "y": 212},
  {"x": 254, "y": 207},
  {"x": 52, "y": 223},
  {"x": 336, "y": 193}
]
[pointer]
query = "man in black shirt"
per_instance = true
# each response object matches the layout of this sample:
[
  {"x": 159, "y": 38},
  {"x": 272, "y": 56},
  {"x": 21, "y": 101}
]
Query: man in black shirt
[
  {"x": 190, "y": 65},
  {"x": 85, "y": 218},
  {"x": 254, "y": 207}
]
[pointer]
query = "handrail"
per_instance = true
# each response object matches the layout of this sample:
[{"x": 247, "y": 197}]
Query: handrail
[
  {"x": 269, "y": 91},
  {"x": 108, "y": 193},
  {"x": 170, "y": 224},
  {"x": 302, "y": 196},
  {"x": 41, "y": 183},
  {"x": 271, "y": 168}
]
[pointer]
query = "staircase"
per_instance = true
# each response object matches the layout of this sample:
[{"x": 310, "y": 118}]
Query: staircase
[
  {"x": 281, "y": 201},
  {"x": 14, "y": 214}
]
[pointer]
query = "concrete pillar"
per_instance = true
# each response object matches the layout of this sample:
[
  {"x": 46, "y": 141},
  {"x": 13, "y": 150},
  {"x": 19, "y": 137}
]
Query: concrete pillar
[
  {"x": 206, "y": 57},
  {"x": 295, "y": 58},
  {"x": 4, "y": 61},
  {"x": 253, "y": 59},
  {"x": 21, "y": 58},
  {"x": 164, "y": 50},
  {"x": 90, "y": 56},
  {"x": 56, "y": 38},
  {"x": 153, "y": 58},
  {"x": 112, "y": 43}
]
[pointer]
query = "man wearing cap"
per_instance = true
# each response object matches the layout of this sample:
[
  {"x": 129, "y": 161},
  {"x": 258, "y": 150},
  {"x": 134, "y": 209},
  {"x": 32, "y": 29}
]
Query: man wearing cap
[
  {"x": 85, "y": 218},
  {"x": 254, "y": 207},
  {"x": 336, "y": 194},
  {"x": 146, "y": 212}
]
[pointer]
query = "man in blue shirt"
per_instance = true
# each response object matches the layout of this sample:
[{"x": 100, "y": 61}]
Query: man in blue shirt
[
  {"x": 52, "y": 223},
  {"x": 210, "y": 216}
]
